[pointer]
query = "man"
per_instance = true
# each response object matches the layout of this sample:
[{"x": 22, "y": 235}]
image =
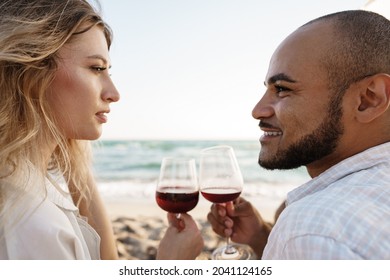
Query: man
[{"x": 326, "y": 107}]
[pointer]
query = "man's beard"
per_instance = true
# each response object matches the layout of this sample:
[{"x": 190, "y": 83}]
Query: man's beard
[{"x": 311, "y": 147}]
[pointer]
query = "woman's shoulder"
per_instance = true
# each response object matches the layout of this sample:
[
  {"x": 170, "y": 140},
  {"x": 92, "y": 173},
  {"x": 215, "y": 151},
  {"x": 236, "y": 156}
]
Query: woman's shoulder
[
  {"x": 37, "y": 214},
  {"x": 41, "y": 231}
]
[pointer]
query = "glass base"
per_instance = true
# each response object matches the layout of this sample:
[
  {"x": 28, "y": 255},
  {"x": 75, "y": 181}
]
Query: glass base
[{"x": 232, "y": 252}]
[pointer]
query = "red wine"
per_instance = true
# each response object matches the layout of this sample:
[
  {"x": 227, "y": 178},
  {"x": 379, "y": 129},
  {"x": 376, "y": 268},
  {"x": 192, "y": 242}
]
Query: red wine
[
  {"x": 176, "y": 199},
  {"x": 221, "y": 195}
]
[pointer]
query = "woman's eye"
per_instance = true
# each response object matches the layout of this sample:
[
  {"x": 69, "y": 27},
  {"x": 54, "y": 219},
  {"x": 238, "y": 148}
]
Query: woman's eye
[{"x": 99, "y": 68}]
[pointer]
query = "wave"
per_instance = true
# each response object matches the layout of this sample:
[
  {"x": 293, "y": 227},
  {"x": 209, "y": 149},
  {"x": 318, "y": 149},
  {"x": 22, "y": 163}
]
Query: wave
[{"x": 133, "y": 166}]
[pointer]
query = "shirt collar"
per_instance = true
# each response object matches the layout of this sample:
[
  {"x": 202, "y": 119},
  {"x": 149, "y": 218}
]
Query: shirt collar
[
  {"x": 58, "y": 192},
  {"x": 371, "y": 157}
]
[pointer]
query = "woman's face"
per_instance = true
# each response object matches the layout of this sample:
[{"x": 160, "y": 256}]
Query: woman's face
[{"x": 82, "y": 90}]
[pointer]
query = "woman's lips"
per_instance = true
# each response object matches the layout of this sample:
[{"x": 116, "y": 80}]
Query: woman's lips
[{"x": 101, "y": 116}]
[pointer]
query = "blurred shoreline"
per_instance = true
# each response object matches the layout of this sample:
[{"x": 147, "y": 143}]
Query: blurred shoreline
[{"x": 136, "y": 207}]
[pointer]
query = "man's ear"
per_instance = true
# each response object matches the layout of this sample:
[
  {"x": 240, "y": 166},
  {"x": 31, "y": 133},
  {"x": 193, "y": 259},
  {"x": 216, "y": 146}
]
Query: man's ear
[{"x": 374, "y": 100}]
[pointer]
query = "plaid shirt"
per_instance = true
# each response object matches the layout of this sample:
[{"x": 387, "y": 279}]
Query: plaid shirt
[{"x": 344, "y": 213}]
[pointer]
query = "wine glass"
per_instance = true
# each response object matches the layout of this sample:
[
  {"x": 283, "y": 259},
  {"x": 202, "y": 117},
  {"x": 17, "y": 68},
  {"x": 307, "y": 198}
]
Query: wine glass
[
  {"x": 220, "y": 181},
  {"x": 177, "y": 187}
]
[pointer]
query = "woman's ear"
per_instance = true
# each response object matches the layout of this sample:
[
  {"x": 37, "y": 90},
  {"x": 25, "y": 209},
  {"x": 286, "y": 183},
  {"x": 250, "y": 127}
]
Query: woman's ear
[{"x": 374, "y": 100}]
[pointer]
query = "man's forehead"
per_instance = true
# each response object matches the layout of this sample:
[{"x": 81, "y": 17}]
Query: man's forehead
[
  {"x": 312, "y": 36},
  {"x": 303, "y": 48}
]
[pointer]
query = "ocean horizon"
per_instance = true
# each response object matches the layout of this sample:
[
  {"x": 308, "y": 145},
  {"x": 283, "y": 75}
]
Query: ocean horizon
[{"x": 130, "y": 168}]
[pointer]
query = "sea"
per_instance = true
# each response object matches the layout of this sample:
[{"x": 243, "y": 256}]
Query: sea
[{"x": 130, "y": 168}]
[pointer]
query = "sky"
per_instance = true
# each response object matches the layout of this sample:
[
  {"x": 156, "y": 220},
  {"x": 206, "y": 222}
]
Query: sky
[{"x": 194, "y": 69}]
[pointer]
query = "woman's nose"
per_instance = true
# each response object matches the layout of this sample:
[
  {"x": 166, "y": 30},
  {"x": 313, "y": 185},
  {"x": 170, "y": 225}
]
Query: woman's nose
[{"x": 111, "y": 94}]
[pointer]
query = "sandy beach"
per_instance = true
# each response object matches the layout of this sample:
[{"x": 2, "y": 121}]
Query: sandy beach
[{"x": 139, "y": 224}]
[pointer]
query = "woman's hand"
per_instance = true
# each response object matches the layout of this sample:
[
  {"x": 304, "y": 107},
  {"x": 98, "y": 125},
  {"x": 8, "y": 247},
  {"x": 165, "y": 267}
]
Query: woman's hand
[{"x": 182, "y": 240}]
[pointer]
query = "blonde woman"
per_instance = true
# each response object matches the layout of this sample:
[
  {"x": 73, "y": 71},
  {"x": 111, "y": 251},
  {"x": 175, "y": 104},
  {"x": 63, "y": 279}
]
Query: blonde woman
[{"x": 55, "y": 96}]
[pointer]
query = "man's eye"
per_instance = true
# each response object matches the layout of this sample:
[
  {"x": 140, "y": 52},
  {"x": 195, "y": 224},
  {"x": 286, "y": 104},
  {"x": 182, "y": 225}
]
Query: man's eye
[{"x": 280, "y": 89}]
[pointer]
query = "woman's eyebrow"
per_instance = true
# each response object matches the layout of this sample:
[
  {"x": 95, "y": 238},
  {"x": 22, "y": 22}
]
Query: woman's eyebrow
[{"x": 98, "y": 56}]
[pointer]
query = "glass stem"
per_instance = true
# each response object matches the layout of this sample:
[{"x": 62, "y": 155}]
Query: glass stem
[
  {"x": 230, "y": 249},
  {"x": 178, "y": 216}
]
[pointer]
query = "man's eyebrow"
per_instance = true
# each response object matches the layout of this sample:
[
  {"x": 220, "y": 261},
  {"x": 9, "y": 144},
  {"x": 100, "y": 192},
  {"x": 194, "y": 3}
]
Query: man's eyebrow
[{"x": 279, "y": 77}]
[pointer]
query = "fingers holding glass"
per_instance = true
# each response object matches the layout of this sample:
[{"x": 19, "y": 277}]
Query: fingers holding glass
[{"x": 221, "y": 181}]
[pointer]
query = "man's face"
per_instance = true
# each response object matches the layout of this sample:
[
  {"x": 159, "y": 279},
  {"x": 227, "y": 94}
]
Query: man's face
[{"x": 300, "y": 116}]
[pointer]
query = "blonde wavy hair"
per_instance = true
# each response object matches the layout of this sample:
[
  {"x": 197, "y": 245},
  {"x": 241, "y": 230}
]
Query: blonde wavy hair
[{"x": 31, "y": 33}]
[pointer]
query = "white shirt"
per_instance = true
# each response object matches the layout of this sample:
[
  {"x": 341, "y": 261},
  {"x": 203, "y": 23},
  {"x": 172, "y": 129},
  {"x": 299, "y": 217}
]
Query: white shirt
[
  {"x": 49, "y": 229},
  {"x": 344, "y": 213}
]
